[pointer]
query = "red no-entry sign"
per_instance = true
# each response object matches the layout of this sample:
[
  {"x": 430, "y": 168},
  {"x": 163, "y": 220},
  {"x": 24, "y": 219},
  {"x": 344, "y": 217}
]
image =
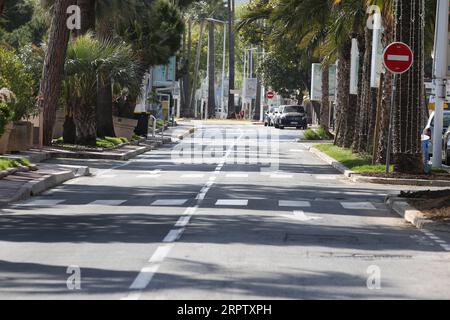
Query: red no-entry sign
[
  {"x": 398, "y": 57},
  {"x": 270, "y": 95}
]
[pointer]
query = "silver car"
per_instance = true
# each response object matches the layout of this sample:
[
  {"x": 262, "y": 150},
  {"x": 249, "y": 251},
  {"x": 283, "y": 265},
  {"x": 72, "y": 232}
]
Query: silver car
[{"x": 270, "y": 116}]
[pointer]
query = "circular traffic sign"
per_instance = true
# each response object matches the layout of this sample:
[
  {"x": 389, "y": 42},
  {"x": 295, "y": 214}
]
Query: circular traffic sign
[
  {"x": 270, "y": 95},
  {"x": 398, "y": 57}
]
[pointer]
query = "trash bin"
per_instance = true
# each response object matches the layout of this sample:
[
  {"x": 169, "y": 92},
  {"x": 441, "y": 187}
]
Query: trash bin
[{"x": 426, "y": 153}]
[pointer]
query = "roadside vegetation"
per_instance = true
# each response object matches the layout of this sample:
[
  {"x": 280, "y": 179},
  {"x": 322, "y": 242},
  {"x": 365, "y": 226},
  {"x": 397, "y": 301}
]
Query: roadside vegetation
[
  {"x": 10, "y": 163},
  {"x": 317, "y": 134},
  {"x": 104, "y": 143}
]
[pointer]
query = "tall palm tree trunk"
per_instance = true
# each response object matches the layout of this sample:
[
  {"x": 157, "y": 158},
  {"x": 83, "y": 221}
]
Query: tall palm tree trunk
[
  {"x": 344, "y": 110},
  {"x": 408, "y": 113},
  {"x": 52, "y": 73},
  {"x": 325, "y": 106}
]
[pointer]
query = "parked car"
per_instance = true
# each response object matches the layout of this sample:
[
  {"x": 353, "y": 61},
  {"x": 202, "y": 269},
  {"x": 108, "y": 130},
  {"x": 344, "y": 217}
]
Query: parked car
[
  {"x": 430, "y": 128},
  {"x": 270, "y": 116},
  {"x": 291, "y": 116},
  {"x": 446, "y": 148}
]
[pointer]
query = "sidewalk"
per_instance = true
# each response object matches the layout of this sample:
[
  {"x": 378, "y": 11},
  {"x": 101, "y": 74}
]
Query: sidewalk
[
  {"x": 52, "y": 171},
  {"x": 23, "y": 185}
]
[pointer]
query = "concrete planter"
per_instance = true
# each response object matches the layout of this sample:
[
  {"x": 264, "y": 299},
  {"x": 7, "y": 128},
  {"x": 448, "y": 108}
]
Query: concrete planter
[
  {"x": 21, "y": 137},
  {"x": 4, "y": 139},
  {"x": 124, "y": 127}
]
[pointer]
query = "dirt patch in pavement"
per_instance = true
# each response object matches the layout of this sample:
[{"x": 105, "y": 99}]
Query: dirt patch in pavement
[{"x": 435, "y": 205}]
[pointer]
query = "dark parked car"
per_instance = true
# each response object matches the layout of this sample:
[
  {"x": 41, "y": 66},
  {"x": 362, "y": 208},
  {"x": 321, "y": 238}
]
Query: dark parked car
[{"x": 291, "y": 116}]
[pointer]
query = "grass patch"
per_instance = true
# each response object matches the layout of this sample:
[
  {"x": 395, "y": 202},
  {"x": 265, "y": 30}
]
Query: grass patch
[
  {"x": 105, "y": 143},
  {"x": 10, "y": 163},
  {"x": 317, "y": 134},
  {"x": 355, "y": 162}
]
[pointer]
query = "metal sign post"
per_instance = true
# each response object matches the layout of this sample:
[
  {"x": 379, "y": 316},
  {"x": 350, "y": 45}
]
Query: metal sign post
[{"x": 397, "y": 59}]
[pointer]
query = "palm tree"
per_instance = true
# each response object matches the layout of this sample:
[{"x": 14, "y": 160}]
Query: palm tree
[
  {"x": 89, "y": 62},
  {"x": 52, "y": 74}
]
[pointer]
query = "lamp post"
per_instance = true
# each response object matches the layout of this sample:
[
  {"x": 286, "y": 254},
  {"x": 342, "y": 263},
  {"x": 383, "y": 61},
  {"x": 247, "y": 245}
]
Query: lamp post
[{"x": 440, "y": 75}]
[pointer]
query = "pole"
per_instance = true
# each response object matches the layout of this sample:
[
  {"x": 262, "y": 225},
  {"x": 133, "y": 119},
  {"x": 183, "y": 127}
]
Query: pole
[
  {"x": 391, "y": 120},
  {"x": 231, "y": 57},
  {"x": 440, "y": 74},
  {"x": 224, "y": 54},
  {"x": 378, "y": 119},
  {"x": 197, "y": 63}
]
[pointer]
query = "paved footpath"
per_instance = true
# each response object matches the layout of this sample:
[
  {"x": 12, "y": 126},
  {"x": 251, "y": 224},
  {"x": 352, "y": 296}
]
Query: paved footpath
[{"x": 218, "y": 226}]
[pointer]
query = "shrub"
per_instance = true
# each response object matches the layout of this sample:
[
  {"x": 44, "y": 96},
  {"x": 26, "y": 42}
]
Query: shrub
[
  {"x": 311, "y": 135},
  {"x": 15, "y": 77},
  {"x": 6, "y": 98}
]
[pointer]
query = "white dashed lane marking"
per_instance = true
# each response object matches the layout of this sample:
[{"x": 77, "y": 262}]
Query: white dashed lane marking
[
  {"x": 443, "y": 244},
  {"x": 169, "y": 202},
  {"x": 231, "y": 202},
  {"x": 292, "y": 203},
  {"x": 108, "y": 202},
  {"x": 236, "y": 175},
  {"x": 40, "y": 202},
  {"x": 358, "y": 205}
]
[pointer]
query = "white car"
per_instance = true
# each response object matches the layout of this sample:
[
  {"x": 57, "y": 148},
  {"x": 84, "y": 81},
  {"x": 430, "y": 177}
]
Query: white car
[{"x": 270, "y": 116}]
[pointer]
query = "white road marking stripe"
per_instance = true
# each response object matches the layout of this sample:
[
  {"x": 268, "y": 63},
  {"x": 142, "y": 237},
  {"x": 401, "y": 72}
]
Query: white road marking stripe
[
  {"x": 169, "y": 202},
  {"x": 358, "y": 205},
  {"x": 325, "y": 177},
  {"x": 107, "y": 202},
  {"x": 148, "y": 176},
  {"x": 300, "y": 215},
  {"x": 237, "y": 175},
  {"x": 297, "y": 150},
  {"x": 173, "y": 235},
  {"x": 41, "y": 202},
  {"x": 160, "y": 254},
  {"x": 183, "y": 221},
  {"x": 107, "y": 176},
  {"x": 144, "y": 277},
  {"x": 231, "y": 202},
  {"x": 292, "y": 203},
  {"x": 192, "y": 176},
  {"x": 190, "y": 211},
  {"x": 281, "y": 176}
]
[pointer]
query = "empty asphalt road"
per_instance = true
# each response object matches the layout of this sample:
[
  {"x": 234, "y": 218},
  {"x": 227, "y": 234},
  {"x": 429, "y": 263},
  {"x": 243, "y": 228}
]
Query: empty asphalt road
[{"x": 233, "y": 212}]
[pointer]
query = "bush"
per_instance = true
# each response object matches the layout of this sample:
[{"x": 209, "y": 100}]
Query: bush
[
  {"x": 14, "y": 76},
  {"x": 6, "y": 97},
  {"x": 311, "y": 135}
]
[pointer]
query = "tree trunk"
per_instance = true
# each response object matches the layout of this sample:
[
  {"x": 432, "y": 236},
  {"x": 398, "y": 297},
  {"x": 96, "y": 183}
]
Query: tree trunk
[
  {"x": 325, "y": 106},
  {"x": 211, "y": 71},
  {"x": 2, "y": 6},
  {"x": 365, "y": 98},
  {"x": 196, "y": 67},
  {"x": 408, "y": 114},
  {"x": 87, "y": 8},
  {"x": 231, "y": 107},
  {"x": 104, "y": 114},
  {"x": 52, "y": 73},
  {"x": 84, "y": 117},
  {"x": 185, "y": 112}
]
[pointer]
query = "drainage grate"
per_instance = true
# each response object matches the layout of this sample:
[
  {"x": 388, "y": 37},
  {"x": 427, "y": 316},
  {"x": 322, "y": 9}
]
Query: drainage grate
[
  {"x": 359, "y": 256},
  {"x": 321, "y": 238}
]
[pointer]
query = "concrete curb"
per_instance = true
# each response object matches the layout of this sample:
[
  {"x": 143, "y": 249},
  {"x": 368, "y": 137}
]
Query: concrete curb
[
  {"x": 414, "y": 216},
  {"x": 356, "y": 177},
  {"x": 46, "y": 182}
]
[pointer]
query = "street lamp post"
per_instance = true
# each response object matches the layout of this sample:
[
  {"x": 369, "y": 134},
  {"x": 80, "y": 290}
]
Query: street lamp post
[{"x": 440, "y": 75}]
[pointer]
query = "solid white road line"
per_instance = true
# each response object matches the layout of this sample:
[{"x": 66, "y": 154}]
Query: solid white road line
[
  {"x": 40, "y": 202},
  {"x": 237, "y": 175},
  {"x": 107, "y": 202},
  {"x": 300, "y": 215},
  {"x": 169, "y": 202},
  {"x": 281, "y": 176},
  {"x": 231, "y": 202},
  {"x": 161, "y": 253},
  {"x": 144, "y": 277},
  {"x": 148, "y": 176},
  {"x": 292, "y": 203},
  {"x": 193, "y": 176},
  {"x": 358, "y": 205},
  {"x": 173, "y": 235},
  {"x": 183, "y": 221}
]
